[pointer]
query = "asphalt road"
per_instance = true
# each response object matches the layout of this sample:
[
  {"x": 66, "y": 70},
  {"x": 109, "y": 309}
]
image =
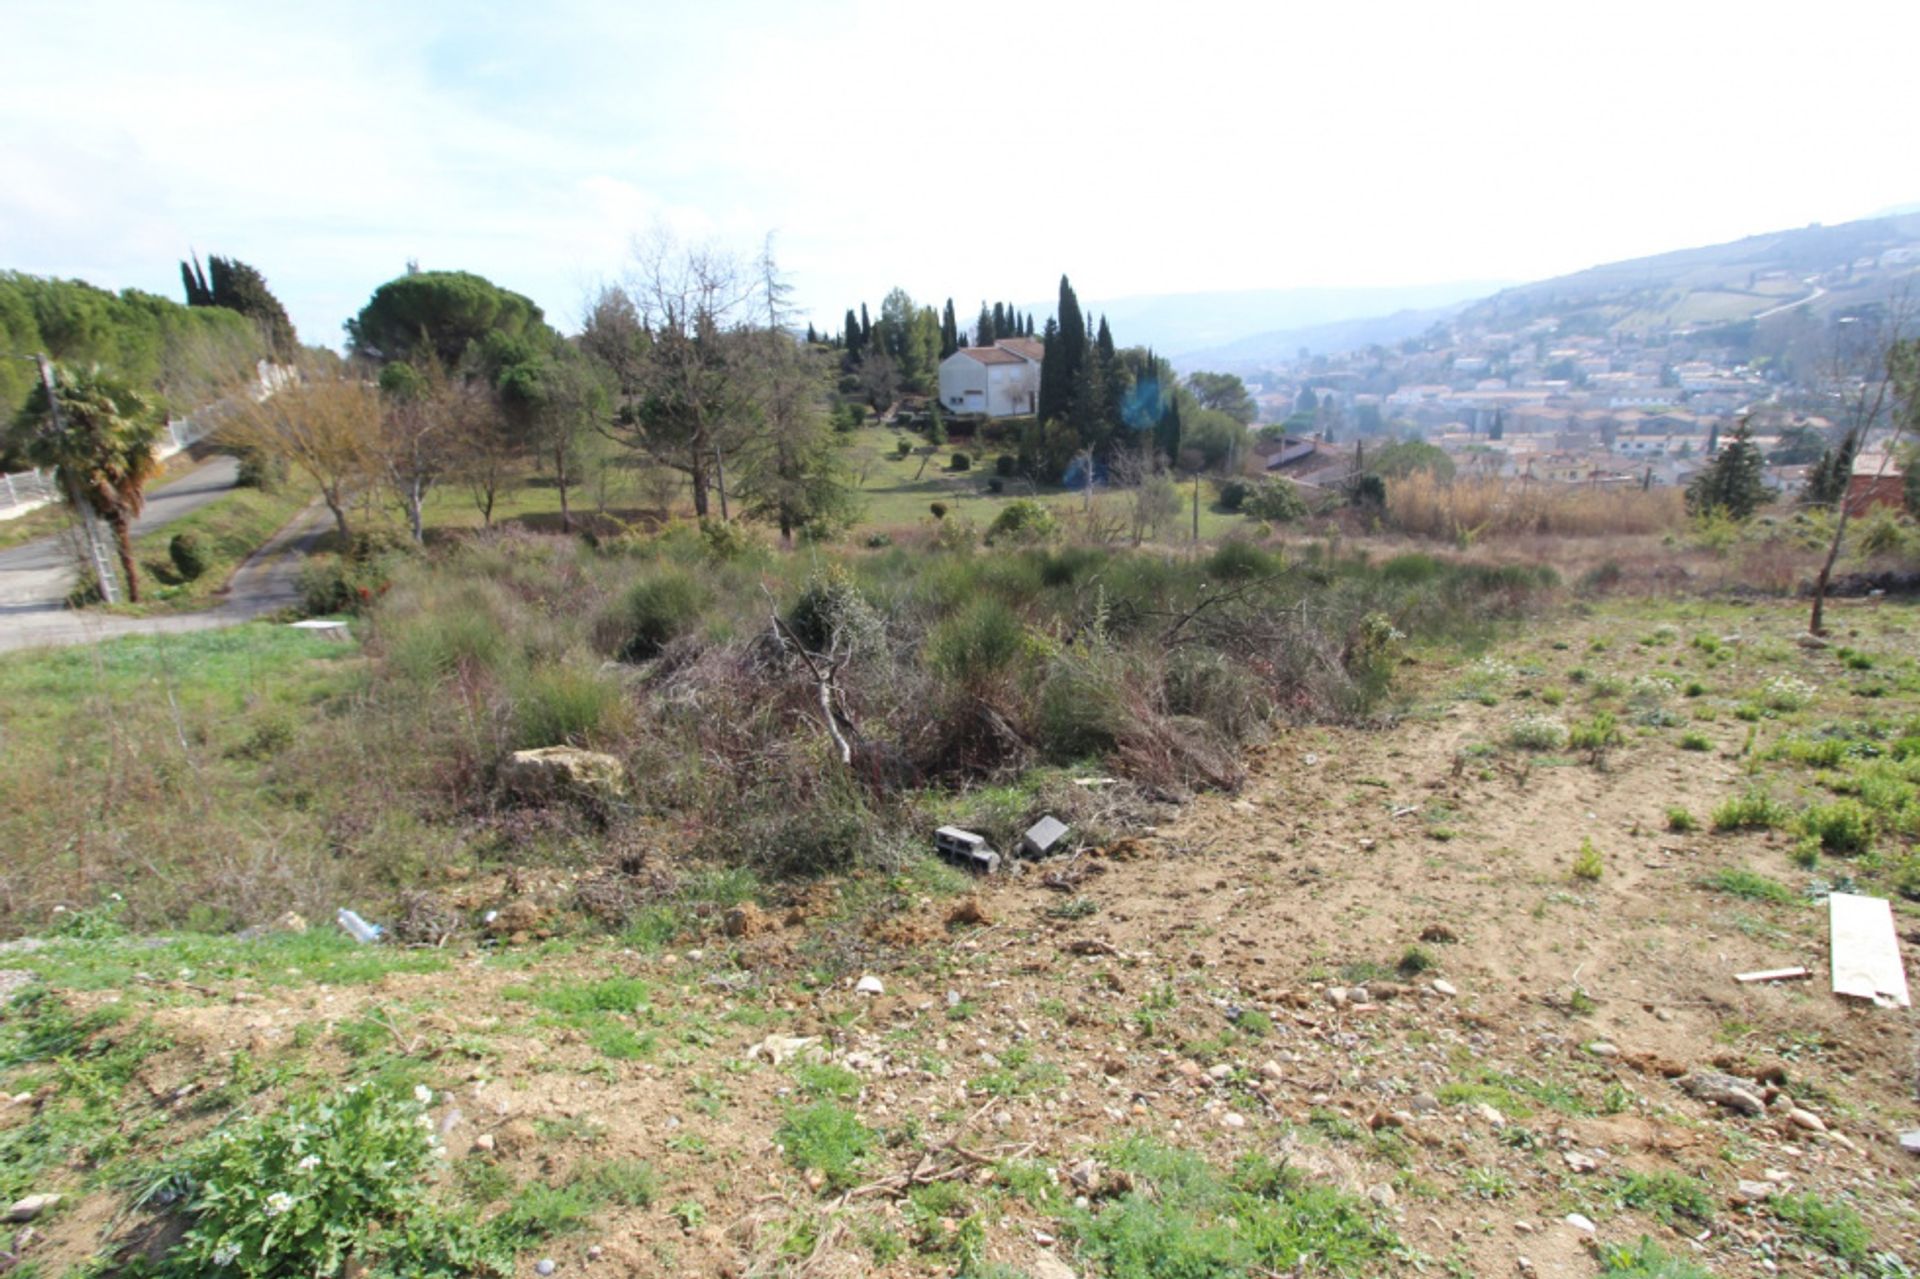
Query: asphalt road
[{"x": 35, "y": 578}]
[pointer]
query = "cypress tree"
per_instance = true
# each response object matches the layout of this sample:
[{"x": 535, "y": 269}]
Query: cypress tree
[
  {"x": 1167, "y": 433},
  {"x": 1029, "y": 324},
  {"x": 813, "y": 338},
  {"x": 983, "y": 327},
  {"x": 1055, "y": 376},
  {"x": 949, "y": 332},
  {"x": 866, "y": 326},
  {"x": 999, "y": 321},
  {"x": 198, "y": 294},
  {"x": 854, "y": 339}
]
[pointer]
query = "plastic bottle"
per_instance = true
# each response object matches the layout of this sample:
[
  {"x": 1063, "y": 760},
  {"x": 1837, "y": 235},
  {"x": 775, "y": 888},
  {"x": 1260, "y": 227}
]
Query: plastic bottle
[{"x": 359, "y": 929}]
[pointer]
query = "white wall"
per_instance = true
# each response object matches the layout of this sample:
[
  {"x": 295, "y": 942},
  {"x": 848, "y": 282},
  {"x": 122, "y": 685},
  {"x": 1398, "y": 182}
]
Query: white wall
[{"x": 963, "y": 385}]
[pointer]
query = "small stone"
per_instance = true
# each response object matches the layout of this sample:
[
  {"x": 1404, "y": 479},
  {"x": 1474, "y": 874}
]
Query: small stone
[
  {"x": 483, "y": 1142},
  {"x": 1360, "y": 995},
  {"x": 1424, "y": 1103},
  {"x": 1444, "y": 987},
  {"x": 1581, "y": 1223},
  {"x": 30, "y": 1207},
  {"x": 1753, "y": 1192},
  {"x": 1580, "y": 1161},
  {"x": 1910, "y": 1142},
  {"x": 1489, "y": 1115},
  {"x": 1601, "y": 1048},
  {"x": 544, "y": 1266},
  {"x": 1382, "y": 1195},
  {"x": 1271, "y": 1069},
  {"x": 1234, "y": 1119},
  {"x": 1806, "y": 1119},
  {"x": 595, "y": 1252},
  {"x": 1523, "y": 1264},
  {"x": 1220, "y": 1073},
  {"x": 1663, "y": 1014},
  {"x": 869, "y": 985},
  {"x": 1523, "y": 1227},
  {"x": 1337, "y": 996},
  {"x": 1045, "y": 1265}
]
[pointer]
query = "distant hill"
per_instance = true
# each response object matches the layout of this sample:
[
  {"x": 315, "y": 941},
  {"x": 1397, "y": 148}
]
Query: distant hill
[
  {"x": 1264, "y": 350},
  {"x": 1821, "y": 267},
  {"x": 1180, "y": 324}
]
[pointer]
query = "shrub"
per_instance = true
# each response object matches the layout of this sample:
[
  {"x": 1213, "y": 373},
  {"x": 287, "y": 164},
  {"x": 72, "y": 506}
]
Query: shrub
[
  {"x": 319, "y": 1183},
  {"x": 1275, "y": 501},
  {"x": 1233, "y": 495},
  {"x": 902, "y": 447},
  {"x": 1022, "y": 521},
  {"x": 189, "y": 555},
  {"x": 1646, "y": 1260},
  {"x": 826, "y": 1138},
  {"x": 939, "y": 510},
  {"x": 258, "y": 470},
  {"x": 1843, "y": 827},
  {"x": 1667, "y": 1195},
  {"x": 1754, "y": 810},
  {"x": 961, "y": 462},
  {"x": 1537, "y": 733},
  {"x": 1680, "y": 821},
  {"x": 654, "y": 612},
  {"x": 340, "y": 584},
  {"x": 561, "y": 705},
  {"x": 996, "y": 485},
  {"x": 857, "y": 414},
  {"x": 1005, "y": 466},
  {"x": 979, "y": 641},
  {"x": 1834, "y": 1228},
  {"x": 1692, "y": 741},
  {"x": 1235, "y": 560},
  {"x": 1595, "y": 736},
  {"x": 1587, "y": 863}
]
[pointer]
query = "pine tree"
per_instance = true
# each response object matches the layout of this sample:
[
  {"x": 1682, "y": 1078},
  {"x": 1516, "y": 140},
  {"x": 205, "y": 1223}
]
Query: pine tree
[
  {"x": 231, "y": 283},
  {"x": 1734, "y": 484},
  {"x": 813, "y": 337}
]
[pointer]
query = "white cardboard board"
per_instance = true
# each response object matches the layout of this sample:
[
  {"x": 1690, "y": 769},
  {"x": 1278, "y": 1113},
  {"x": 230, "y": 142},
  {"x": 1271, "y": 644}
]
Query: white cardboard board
[{"x": 1866, "y": 953}]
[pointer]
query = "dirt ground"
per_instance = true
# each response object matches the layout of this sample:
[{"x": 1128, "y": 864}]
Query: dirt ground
[{"x": 1376, "y": 961}]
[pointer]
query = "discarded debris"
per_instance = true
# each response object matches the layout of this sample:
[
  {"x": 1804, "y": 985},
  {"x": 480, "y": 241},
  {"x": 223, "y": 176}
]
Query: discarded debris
[
  {"x": 1866, "y": 954},
  {"x": 1042, "y": 836},
  {"x": 357, "y": 928},
  {"x": 869, "y": 985},
  {"x": 1773, "y": 974},
  {"x": 1723, "y": 1090},
  {"x": 965, "y": 849},
  {"x": 780, "y": 1049}
]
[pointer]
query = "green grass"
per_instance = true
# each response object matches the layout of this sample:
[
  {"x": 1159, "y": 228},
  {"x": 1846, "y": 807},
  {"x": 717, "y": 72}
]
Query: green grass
[
  {"x": 1833, "y": 1228},
  {"x": 1753, "y": 810},
  {"x": 1666, "y": 1195},
  {"x": 1740, "y": 882},
  {"x": 1680, "y": 821},
  {"x": 1647, "y": 1260},
  {"x": 1187, "y": 1219},
  {"x": 829, "y": 1139}
]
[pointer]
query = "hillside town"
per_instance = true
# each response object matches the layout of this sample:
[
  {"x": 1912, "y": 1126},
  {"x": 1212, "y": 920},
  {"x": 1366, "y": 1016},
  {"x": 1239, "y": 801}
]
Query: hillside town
[{"x": 1539, "y": 404}]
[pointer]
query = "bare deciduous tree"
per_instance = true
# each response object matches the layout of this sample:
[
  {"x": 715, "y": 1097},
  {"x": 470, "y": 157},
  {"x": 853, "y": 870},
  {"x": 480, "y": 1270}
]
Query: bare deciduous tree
[{"x": 322, "y": 421}]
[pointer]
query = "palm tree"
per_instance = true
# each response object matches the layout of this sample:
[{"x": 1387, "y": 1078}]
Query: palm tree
[{"x": 101, "y": 442}]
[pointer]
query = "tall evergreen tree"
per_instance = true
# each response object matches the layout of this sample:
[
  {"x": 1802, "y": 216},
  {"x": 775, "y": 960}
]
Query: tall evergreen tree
[
  {"x": 1828, "y": 479},
  {"x": 1029, "y": 329},
  {"x": 983, "y": 327},
  {"x": 949, "y": 331},
  {"x": 866, "y": 326},
  {"x": 999, "y": 322},
  {"x": 1734, "y": 484},
  {"x": 1166, "y": 435},
  {"x": 813, "y": 337},
  {"x": 853, "y": 339},
  {"x": 1055, "y": 376},
  {"x": 231, "y": 283}
]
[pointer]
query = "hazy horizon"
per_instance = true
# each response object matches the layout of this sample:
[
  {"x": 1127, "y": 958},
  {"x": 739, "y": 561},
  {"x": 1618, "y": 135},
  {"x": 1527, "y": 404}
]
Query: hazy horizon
[{"x": 937, "y": 151}]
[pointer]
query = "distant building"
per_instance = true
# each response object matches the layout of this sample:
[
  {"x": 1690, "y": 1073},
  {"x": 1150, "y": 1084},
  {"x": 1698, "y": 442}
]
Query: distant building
[
  {"x": 1002, "y": 380},
  {"x": 1877, "y": 480}
]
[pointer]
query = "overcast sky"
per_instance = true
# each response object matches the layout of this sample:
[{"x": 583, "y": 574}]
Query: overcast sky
[{"x": 955, "y": 149}]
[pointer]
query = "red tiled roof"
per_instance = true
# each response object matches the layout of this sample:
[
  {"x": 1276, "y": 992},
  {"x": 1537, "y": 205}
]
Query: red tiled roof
[{"x": 1028, "y": 347}]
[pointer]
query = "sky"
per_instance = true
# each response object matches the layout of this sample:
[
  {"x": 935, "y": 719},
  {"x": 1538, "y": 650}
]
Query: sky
[{"x": 971, "y": 151}]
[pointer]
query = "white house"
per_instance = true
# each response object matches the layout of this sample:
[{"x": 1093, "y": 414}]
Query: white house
[{"x": 1002, "y": 380}]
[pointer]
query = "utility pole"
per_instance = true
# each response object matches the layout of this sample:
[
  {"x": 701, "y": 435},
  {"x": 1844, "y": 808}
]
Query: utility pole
[{"x": 89, "y": 525}]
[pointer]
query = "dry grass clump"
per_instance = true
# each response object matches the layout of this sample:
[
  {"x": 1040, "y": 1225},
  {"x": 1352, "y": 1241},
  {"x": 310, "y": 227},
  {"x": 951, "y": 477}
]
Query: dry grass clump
[{"x": 1469, "y": 510}]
